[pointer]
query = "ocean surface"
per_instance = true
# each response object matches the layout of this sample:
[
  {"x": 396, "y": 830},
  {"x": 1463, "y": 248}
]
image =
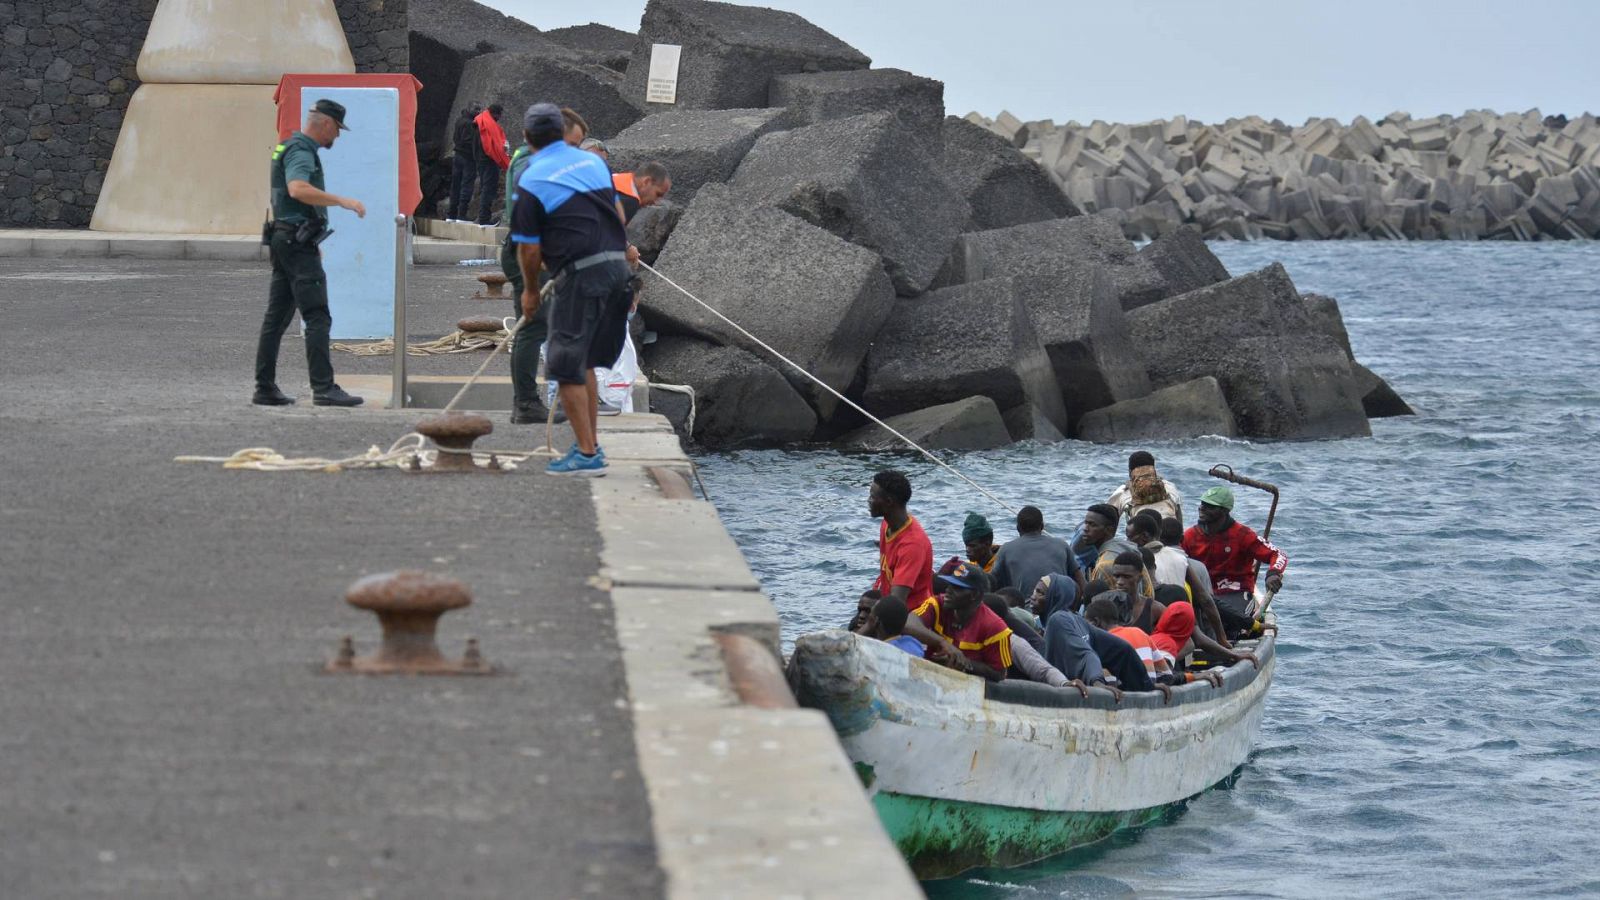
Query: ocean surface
[{"x": 1434, "y": 726}]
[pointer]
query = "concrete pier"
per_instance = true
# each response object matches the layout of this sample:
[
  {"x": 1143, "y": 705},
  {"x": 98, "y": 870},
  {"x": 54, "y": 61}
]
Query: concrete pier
[{"x": 170, "y": 729}]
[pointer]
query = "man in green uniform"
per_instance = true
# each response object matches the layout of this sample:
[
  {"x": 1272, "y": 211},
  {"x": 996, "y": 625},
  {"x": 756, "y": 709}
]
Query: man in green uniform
[{"x": 299, "y": 218}]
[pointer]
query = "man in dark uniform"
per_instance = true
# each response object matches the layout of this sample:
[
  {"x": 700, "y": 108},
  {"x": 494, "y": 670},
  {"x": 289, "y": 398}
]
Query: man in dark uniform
[{"x": 298, "y": 282}]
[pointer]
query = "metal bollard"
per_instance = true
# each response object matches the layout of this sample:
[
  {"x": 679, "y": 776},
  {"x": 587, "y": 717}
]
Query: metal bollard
[{"x": 408, "y": 603}]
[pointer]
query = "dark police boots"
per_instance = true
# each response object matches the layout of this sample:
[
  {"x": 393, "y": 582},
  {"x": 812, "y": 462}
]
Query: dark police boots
[
  {"x": 271, "y": 396},
  {"x": 336, "y": 396},
  {"x": 535, "y": 413}
]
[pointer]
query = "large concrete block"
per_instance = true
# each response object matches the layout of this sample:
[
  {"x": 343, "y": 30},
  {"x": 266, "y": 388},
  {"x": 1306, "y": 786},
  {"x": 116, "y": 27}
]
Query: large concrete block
[
  {"x": 970, "y": 424},
  {"x": 917, "y": 103},
  {"x": 1183, "y": 261},
  {"x": 957, "y": 342},
  {"x": 1282, "y": 376},
  {"x": 1190, "y": 409},
  {"x": 739, "y": 398},
  {"x": 698, "y": 146},
  {"x": 1097, "y": 238},
  {"x": 445, "y": 34},
  {"x": 517, "y": 79},
  {"x": 731, "y": 52},
  {"x": 760, "y": 267},
  {"x": 596, "y": 43},
  {"x": 651, "y": 226},
  {"x": 864, "y": 179},
  {"x": 1379, "y": 399},
  {"x": 1084, "y": 331},
  {"x": 1002, "y": 186},
  {"x": 1326, "y": 317}
]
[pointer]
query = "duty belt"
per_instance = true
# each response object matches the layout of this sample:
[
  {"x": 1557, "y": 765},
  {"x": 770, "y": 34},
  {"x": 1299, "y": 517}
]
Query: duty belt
[{"x": 595, "y": 259}]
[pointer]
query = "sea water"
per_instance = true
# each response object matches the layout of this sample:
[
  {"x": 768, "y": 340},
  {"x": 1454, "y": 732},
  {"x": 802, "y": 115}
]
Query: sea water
[{"x": 1434, "y": 724}]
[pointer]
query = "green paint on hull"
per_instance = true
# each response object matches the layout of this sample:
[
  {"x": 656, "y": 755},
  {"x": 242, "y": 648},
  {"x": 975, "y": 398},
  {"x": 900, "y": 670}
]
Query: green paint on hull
[{"x": 943, "y": 838}]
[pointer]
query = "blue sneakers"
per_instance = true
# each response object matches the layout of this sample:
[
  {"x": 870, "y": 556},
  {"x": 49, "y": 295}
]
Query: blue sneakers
[
  {"x": 579, "y": 464},
  {"x": 598, "y": 450}
]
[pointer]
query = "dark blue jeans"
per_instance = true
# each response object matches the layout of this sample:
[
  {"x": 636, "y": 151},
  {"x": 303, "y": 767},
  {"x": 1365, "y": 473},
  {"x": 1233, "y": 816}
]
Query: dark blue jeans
[
  {"x": 488, "y": 189},
  {"x": 463, "y": 173}
]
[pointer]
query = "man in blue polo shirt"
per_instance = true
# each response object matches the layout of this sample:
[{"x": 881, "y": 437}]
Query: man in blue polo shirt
[{"x": 566, "y": 220}]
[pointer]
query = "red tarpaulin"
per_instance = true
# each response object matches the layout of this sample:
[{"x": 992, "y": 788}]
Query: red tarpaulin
[{"x": 288, "y": 100}]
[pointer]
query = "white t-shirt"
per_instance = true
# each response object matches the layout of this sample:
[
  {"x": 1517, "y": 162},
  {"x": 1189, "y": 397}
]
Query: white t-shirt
[
  {"x": 1172, "y": 565},
  {"x": 1122, "y": 499}
]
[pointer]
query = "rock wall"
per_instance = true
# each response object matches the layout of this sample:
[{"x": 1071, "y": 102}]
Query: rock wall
[
  {"x": 1482, "y": 175},
  {"x": 66, "y": 75}
]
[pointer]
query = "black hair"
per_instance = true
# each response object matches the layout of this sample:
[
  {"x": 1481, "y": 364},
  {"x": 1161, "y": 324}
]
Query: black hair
[
  {"x": 1146, "y": 522},
  {"x": 543, "y": 136},
  {"x": 654, "y": 171},
  {"x": 1140, "y": 458},
  {"x": 997, "y": 604},
  {"x": 895, "y": 484},
  {"x": 1095, "y": 588},
  {"x": 1149, "y": 557},
  {"x": 1012, "y": 595},
  {"x": 872, "y": 594},
  {"x": 1103, "y": 609},
  {"x": 1106, "y": 511},
  {"x": 496, "y": 109},
  {"x": 891, "y": 615},
  {"x": 1171, "y": 531},
  {"x": 1129, "y": 558},
  {"x": 1030, "y": 520}
]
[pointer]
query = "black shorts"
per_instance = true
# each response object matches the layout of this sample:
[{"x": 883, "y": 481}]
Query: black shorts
[{"x": 589, "y": 322}]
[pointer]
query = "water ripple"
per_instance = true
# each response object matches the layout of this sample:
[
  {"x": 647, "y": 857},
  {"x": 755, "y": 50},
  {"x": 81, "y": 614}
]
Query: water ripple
[{"x": 1432, "y": 729}]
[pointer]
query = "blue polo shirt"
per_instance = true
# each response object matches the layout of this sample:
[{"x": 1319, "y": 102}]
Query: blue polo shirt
[{"x": 566, "y": 205}]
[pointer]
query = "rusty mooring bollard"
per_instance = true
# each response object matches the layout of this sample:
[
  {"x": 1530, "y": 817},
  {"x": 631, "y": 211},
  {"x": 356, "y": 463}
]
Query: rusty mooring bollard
[
  {"x": 455, "y": 431},
  {"x": 480, "y": 325},
  {"x": 408, "y": 603},
  {"x": 492, "y": 284}
]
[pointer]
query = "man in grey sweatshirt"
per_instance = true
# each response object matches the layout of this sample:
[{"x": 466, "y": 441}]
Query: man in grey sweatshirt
[{"x": 1032, "y": 555}]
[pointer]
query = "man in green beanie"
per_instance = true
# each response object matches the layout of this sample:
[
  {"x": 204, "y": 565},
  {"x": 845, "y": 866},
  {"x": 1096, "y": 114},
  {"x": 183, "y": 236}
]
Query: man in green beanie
[
  {"x": 979, "y": 538},
  {"x": 1231, "y": 551}
]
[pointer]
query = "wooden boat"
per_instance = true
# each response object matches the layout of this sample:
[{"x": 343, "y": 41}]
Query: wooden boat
[{"x": 968, "y": 773}]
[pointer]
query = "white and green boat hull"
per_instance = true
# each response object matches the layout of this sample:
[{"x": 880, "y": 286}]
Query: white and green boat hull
[{"x": 966, "y": 774}]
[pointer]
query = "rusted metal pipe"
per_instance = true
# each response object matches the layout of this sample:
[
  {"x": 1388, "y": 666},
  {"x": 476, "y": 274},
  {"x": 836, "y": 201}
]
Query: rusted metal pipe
[
  {"x": 1226, "y": 473},
  {"x": 755, "y": 672},
  {"x": 673, "y": 485}
]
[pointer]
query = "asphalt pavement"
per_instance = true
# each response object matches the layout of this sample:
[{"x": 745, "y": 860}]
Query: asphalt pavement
[{"x": 168, "y": 731}]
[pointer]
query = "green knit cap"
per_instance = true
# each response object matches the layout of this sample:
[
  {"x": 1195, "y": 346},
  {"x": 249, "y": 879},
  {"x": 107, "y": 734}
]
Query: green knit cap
[
  {"x": 1218, "y": 496},
  {"x": 976, "y": 528}
]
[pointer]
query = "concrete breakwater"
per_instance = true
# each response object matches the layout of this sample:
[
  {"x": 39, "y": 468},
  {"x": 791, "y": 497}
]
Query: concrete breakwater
[
  {"x": 1478, "y": 176},
  {"x": 920, "y": 265}
]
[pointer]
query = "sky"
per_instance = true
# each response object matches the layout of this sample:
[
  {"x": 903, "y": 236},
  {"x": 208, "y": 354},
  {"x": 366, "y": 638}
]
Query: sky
[{"x": 1135, "y": 60}]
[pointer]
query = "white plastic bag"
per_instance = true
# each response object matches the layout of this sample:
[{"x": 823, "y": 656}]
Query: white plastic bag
[{"x": 616, "y": 383}]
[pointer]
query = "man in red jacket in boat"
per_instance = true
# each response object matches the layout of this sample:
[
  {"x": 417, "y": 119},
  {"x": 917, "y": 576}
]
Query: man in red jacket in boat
[{"x": 1231, "y": 551}]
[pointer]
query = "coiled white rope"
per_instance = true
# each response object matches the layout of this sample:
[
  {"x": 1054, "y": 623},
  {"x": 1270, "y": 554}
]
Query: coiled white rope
[{"x": 846, "y": 400}]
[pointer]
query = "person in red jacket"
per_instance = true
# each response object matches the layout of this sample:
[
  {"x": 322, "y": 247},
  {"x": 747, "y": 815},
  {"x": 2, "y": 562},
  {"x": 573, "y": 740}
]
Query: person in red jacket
[
  {"x": 492, "y": 159},
  {"x": 1230, "y": 551}
]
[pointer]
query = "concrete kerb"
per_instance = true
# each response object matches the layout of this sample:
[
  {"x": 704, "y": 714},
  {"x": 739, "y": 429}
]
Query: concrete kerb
[
  {"x": 745, "y": 802},
  {"x": 45, "y": 243}
]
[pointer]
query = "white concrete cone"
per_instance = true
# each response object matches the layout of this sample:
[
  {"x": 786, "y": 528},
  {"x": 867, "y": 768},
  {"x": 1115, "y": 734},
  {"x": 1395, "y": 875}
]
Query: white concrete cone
[{"x": 197, "y": 139}]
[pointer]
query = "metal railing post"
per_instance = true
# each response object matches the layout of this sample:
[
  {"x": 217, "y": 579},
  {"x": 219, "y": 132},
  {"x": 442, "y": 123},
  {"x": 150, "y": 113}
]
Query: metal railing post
[{"x": 397, "y": 396}]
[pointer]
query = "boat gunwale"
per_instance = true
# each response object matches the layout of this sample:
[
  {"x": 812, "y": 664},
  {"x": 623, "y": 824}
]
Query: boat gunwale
[{"x": 1034, "y": 695}]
